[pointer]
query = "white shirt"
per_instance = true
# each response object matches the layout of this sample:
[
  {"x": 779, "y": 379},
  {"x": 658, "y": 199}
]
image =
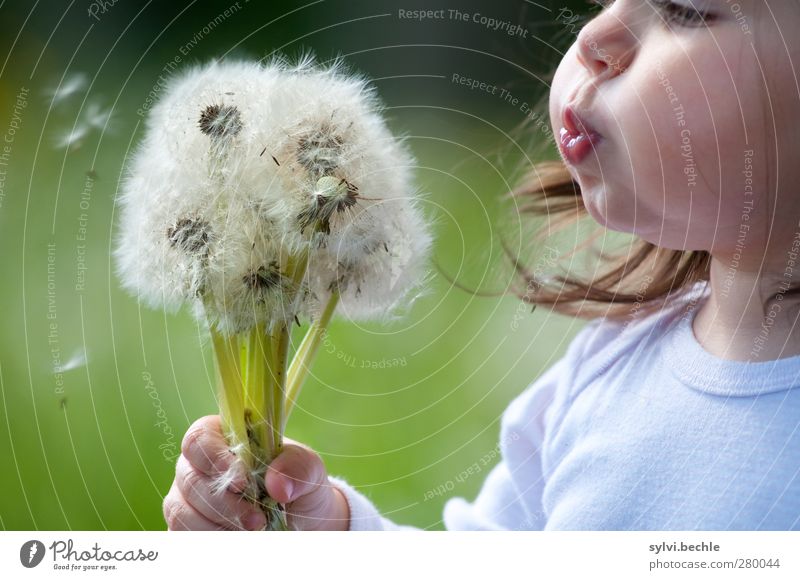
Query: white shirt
[{"x": 637, "y": 427}]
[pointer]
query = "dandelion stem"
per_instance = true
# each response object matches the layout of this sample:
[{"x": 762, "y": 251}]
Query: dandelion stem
[
  {"x": 296, "y": 270},
  {"x": 258, "y": 385},
  {"x": 242, "y": 379},
  {"x": 306, "y": 352},
  {"x": 229, "y": 385},
  {"x": 282, "y": 347}
]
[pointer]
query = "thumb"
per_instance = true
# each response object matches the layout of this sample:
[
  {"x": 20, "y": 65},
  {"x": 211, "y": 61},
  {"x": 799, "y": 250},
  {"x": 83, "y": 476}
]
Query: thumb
[{"x": 298, "y": 479}]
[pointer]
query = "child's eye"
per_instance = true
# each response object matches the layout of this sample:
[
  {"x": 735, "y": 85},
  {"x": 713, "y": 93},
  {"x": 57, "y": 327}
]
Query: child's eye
[
  {"x": 673, "y": 12},
  {"x": 683, "y": 15}
]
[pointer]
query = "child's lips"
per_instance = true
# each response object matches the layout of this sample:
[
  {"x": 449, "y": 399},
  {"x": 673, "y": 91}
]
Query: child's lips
[{"x": 577, "y": 137}]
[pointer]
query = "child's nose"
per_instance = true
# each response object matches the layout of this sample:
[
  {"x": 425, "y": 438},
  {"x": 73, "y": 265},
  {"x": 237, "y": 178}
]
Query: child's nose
[{"x": 606, "y": 46}]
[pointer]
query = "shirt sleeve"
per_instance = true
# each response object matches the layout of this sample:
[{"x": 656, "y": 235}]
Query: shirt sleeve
[
  {"x": 364, "y": 515},
  {"x": 510, "y": 497}
]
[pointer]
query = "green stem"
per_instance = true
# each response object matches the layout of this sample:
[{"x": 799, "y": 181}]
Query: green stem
[
  {"x": 229, "y": 385},
  {"x": 238, "y": 370},
  {"x": 261, "y": 365},
  {"x": 256, "y": 390},
  {"x": 306, "y": 352},
  {"x": 296, "y": 271},
  {"x": 269, "y": 385},
  {"x": 253, "y": 377},
  {"x": 281, "y": 351}
]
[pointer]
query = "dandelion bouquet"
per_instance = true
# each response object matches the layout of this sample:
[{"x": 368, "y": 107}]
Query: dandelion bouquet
[{"x": 261, "y": 195}]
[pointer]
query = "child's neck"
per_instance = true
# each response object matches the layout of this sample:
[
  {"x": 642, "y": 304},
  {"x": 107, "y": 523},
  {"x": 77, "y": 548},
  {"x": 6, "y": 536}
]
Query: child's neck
[{"x": 737, "y": 323}]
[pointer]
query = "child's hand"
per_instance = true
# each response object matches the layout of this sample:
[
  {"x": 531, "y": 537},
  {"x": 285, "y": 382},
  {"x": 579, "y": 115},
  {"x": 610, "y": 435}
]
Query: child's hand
[{"x": 296, "y": 478}]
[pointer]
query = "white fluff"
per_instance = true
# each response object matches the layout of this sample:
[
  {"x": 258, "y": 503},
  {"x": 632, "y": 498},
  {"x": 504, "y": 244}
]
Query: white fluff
[{"x": 232, "y": 154}]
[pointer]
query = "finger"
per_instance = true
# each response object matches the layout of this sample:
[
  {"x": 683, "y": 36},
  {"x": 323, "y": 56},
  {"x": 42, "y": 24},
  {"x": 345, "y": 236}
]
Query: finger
[
  {"x": 180, "y": 516},
  {"x": 297, "y": 471},
  {"x": 205, "y": 447},
  {"x": 297, "y": 478},
  {"x": 226, "y": 509}
]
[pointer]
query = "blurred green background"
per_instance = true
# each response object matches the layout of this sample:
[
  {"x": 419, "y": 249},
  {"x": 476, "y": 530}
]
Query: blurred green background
[{"x": 98, "y": 392}]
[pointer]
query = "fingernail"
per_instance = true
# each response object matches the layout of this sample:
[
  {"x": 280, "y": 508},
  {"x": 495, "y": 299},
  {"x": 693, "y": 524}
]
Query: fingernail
[{"x": 255, "y": 521}]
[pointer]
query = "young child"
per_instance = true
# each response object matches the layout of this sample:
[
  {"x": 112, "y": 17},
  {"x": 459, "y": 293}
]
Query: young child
[{"x": 677, "y": 406}]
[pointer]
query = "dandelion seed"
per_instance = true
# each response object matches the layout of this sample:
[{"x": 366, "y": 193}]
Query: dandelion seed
[
  {"x": 73, "y": 84},
  {"x": 220, "y": 121},
  {"x": 77, "y": 360},
  {"x": 74, "y": 139},
  {"x": 320, "y": 151},
  {"x": 263, "y": 279},
  {"x": 330, "y": 196},
  {"x": 96, "y": 117},
  {"x": 189, "y": 235}
]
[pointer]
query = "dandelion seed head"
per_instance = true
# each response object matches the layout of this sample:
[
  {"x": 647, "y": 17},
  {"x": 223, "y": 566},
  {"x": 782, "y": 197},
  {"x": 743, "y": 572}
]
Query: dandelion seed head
[
  {"x": 329, "y": 197},
  {"x": 243, "y": 166},
  {"x": 159, "y": 225},
  {"x": 374, "y": 281},
  {"x": 246, "y": 277}
]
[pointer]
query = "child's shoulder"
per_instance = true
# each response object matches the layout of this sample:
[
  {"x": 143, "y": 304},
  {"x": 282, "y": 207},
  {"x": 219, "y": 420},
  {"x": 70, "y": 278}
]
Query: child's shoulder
[
  {"x": 603, "y": 341},
  {"x": 598, "y": 346},
  {"x": 528, "y": 413}
]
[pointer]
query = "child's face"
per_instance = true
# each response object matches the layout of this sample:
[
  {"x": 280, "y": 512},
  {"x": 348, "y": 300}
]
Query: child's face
[{"x": 679, "y": 104}]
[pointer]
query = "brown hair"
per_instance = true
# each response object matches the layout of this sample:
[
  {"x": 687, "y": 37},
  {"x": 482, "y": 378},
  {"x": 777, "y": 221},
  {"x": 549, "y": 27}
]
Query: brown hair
[{"x": 647, "y": 276}]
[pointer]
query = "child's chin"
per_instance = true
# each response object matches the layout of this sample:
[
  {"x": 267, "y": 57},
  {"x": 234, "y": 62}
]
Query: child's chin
[
  {"x": 595, "y": 201},
  {"x": 601, "y": 209}
]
